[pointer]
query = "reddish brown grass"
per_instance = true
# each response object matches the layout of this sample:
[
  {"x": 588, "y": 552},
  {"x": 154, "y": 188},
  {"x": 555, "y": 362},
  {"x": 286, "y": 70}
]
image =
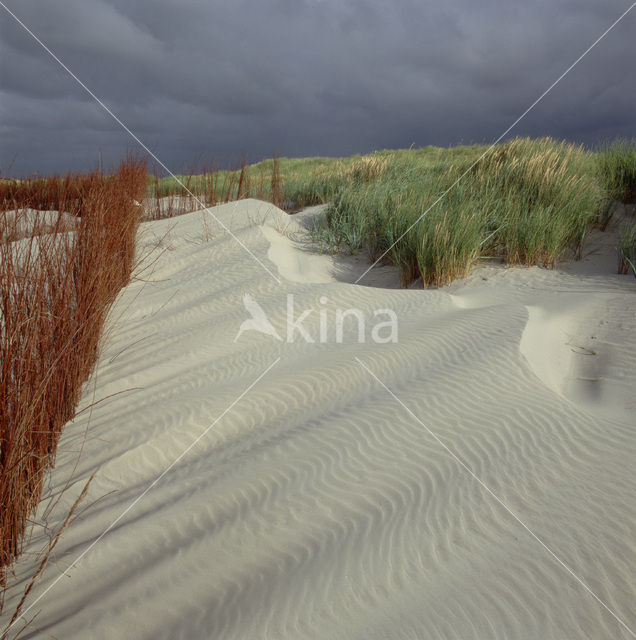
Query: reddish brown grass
[
  {"x": 207, "y": 187},
  {"x": 55, "y": 291}
]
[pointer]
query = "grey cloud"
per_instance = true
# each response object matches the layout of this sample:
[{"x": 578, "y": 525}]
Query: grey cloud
[{"x": 305, "y": 77}]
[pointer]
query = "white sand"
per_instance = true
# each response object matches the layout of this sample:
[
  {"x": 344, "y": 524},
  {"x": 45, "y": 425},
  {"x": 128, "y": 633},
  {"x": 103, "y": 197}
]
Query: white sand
[
  {"x": 20, "y": 223},
  {"x": 317, "y": 506}
]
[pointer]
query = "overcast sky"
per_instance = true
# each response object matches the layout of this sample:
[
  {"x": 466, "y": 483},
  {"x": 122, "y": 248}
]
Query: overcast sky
[{"x": 196, "y": 79}]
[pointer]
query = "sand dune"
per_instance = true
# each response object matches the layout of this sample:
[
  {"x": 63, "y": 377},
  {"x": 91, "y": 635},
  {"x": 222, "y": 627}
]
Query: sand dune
[
  {"x": 316, "y": 505},
  {"x": 21, "y": 223}
]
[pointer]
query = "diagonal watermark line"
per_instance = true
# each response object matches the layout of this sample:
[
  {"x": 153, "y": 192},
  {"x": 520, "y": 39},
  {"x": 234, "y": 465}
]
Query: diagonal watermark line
[
  {"x": 136, "y": 139},
  {"x": 144, "y": 492},
  {"x": 503, "y": 504},
  {"x": 506, "y": 132}
]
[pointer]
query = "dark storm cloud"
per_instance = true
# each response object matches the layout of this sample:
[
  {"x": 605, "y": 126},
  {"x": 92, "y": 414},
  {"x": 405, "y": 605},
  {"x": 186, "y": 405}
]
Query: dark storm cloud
[{"x": 198, "y": 79}]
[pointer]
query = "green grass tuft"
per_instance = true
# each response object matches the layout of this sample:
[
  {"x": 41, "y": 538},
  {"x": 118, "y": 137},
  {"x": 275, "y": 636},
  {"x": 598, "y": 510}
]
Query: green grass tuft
[
  {"x": 627, "y": 249},
  {"x": 527, "y": 202},
  {"x": 617, "y": 170}
]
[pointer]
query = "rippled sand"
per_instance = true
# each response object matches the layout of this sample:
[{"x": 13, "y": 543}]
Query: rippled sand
[{"x": 484, "y": 493}]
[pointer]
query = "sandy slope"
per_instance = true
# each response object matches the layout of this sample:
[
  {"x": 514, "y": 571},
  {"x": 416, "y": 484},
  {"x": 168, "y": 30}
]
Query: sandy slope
[
  {"x": 21, "y": 223},
  {"x": 318, "y": 506}
]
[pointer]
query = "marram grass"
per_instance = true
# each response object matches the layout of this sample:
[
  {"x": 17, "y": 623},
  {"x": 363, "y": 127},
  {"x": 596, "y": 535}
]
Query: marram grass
[
  {"x": 617, "y": 169},
  {"x": 627, "y": 249},
  {"x": 526, "y": 202}
]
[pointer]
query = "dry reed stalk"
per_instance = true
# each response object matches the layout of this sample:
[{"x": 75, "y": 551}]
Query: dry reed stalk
[
  {"x": 55, "y": 292},
  {"x": 47, "y": 555},
  {"x": 276, "y": 196}
]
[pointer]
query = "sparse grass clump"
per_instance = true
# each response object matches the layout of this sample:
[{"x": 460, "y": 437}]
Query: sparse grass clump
[
  {"x": 288, "y": 183},
  {"x": 627, "y": 249},
  {"x": 617, "y": 170}
]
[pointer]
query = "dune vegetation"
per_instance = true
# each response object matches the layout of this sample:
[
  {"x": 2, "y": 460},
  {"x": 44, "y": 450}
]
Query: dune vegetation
[
  {"x": 617, "y": 171},
  {"x": 526, "y": 202},
  {"x": 56, "y": 287},
  {"x": 435, "y": 212},
  {"x": 627, "y": 249}
]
